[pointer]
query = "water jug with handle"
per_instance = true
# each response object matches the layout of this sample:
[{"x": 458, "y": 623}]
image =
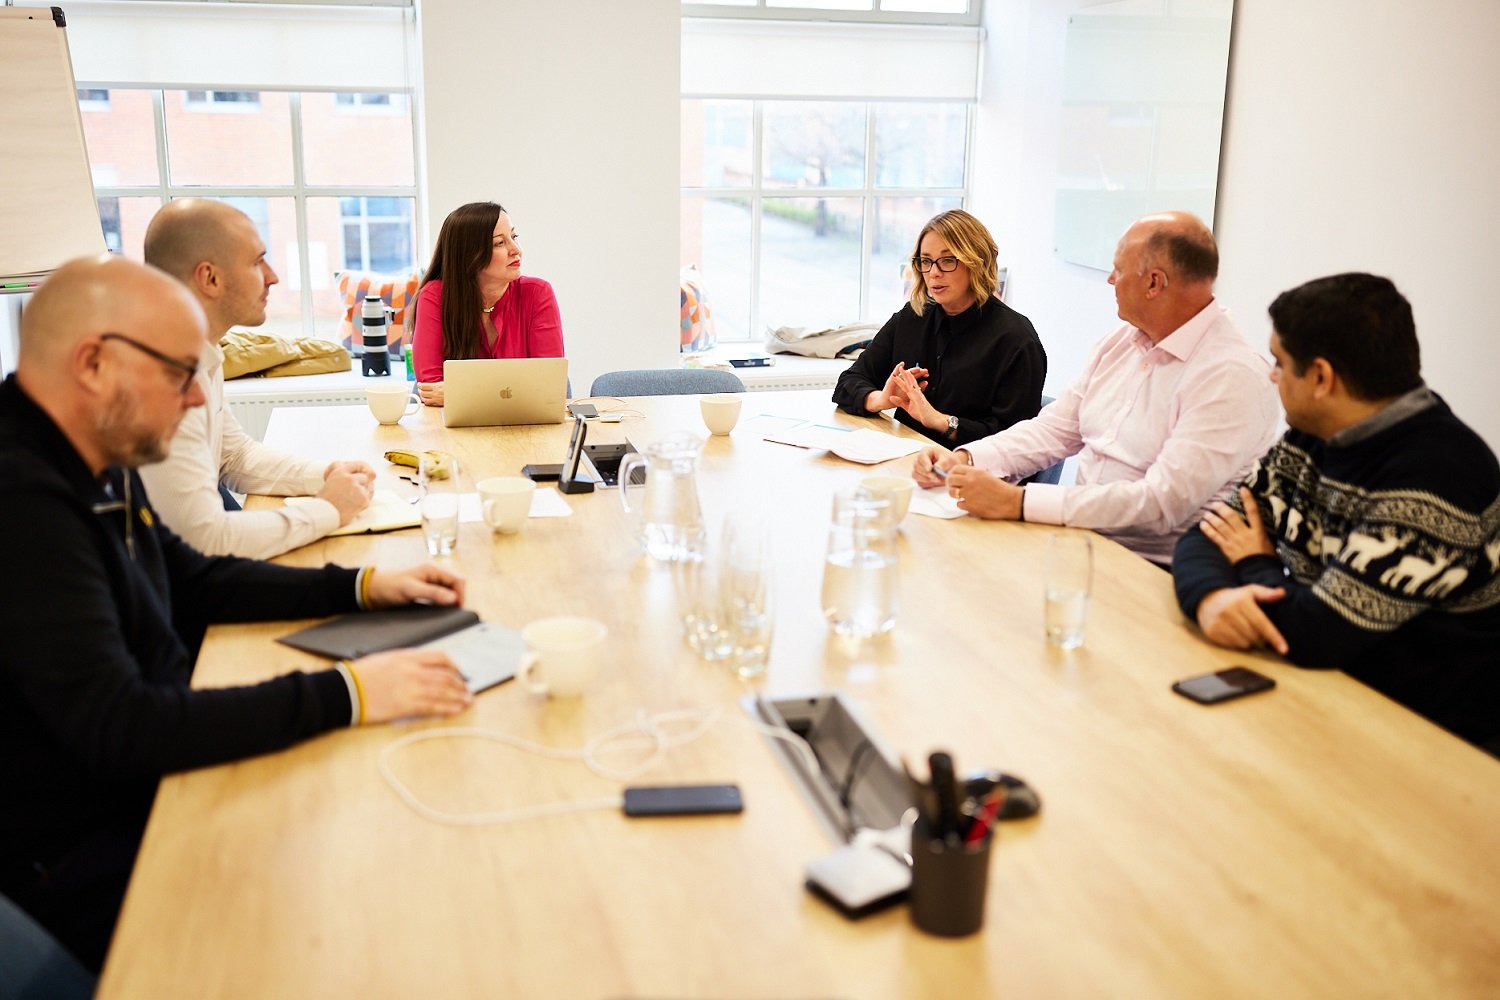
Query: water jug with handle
[{"x": 669, "y": 521}]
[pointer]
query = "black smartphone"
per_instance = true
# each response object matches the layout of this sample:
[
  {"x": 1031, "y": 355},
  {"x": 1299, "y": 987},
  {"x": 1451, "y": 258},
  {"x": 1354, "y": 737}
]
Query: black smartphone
[
  {"x": 682, "y": 800},
  {"x": 1222, "y": 685},
  {"x": 585, "y": 410},
  {"x": 542, "y": 473}
]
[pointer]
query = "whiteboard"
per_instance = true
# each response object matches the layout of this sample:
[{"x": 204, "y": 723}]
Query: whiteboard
[{"x": 47, "y": 210}]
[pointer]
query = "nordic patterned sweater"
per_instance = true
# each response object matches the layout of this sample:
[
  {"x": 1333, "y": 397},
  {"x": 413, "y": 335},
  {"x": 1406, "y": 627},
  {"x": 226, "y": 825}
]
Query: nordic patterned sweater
[{"x": 1387, "y": 541}]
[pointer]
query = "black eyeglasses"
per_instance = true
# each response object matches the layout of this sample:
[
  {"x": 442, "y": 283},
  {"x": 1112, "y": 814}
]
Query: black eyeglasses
[
  {"x": 944, "y": 264},
  {"x": 189, "y": 372}
]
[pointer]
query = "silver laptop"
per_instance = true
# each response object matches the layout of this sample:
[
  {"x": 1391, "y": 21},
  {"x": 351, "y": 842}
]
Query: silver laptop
[{"x": 497, "y": 392}]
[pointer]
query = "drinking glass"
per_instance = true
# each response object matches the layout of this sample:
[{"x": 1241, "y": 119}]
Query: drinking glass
[
  {"x": 860, "y": 572},
  {"x": 745, "y": 594},
  {"x": 1067, "y": 579},
  {"x": 440, "y": 481}
]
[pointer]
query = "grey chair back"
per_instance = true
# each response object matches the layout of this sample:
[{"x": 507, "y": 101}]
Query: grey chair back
[
  {"x": 32, "y": 962},
  {"x": 665, "y": 382},
  {"x": 1052, "y": 474}
]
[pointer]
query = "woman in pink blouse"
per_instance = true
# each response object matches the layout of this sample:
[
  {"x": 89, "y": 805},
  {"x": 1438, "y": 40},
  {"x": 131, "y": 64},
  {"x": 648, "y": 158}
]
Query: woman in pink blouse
[{"x": 474, "y": 302}]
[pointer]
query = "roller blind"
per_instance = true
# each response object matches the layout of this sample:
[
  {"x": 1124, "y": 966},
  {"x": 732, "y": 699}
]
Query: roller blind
[
  {"x": 724, "y": 57},
  {"x": 244, "y": 46}
]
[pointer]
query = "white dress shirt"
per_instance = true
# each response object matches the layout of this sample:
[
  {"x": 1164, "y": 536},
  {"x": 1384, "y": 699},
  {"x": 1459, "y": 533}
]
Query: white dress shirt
[
  {"x": 1160, "y": 431},
  {"x": 210, "y": 447}
]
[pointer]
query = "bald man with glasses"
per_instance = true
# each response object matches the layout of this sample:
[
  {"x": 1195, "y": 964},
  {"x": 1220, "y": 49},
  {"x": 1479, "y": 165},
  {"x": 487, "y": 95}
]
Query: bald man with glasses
[{"x": 95, "y": 697}]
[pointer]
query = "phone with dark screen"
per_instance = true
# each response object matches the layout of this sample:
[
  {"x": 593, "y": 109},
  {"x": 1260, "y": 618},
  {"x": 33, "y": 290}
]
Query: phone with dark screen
[
  {"x": 1223, "y": 685},
  {"x": 682, "y": 800}
]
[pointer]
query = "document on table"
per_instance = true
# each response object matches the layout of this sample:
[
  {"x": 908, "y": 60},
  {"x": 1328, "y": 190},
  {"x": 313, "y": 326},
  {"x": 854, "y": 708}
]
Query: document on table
[
  {"x": 544, "y": 503},
  {"x": 935, "y": 502},
  {"x": 864, "y": 446}
]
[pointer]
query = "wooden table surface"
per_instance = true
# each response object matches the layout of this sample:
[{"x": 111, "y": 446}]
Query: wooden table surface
[{"x": 1317, "y": 840}]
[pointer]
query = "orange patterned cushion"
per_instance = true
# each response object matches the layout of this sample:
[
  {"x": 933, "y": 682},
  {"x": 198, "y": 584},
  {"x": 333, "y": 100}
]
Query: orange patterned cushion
[{"x": 397, "y": 291}]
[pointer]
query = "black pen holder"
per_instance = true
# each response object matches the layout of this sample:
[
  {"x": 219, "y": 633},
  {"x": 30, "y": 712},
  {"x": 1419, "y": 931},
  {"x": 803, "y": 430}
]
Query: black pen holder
[{"x": 948, "y": 883}]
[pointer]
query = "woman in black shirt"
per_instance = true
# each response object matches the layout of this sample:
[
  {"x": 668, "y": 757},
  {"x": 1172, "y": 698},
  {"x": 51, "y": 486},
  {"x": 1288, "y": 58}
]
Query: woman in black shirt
[{"x": 955, "y": 362}]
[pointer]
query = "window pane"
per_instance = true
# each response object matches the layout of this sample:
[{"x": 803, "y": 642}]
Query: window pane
[
  {"x": 927, "y": 6},
  {"x": 124, "y": 222},
  {"x": 716, "y": 145},
  {"x": 811, "y": 144},
  {"x": 897, "y": 222},
  {"x": 121, "y": 138},
  {"x": 920, "y": 145},
  {"x": 237, "y": 142},
  {"x": 361, "y": 142},
  {"x": 349, "y": 234},
  {"x": 809, "y": 261},
  {"x": 822, "y": 4},
  {"x": 716, "y": 239}
]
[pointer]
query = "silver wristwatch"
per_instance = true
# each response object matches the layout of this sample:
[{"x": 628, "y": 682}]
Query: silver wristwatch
[{"x": 953, "y": 427}]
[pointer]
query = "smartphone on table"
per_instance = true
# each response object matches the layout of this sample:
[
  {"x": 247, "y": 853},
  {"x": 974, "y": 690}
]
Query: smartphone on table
[{"x": 1223, "y": 685}]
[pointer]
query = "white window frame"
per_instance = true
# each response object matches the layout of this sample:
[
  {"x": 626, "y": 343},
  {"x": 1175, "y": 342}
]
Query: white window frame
[
  {"x": 299, "y": 191},
  {"x": 757, "y": 191},
  {"x": 759, "y": 10}
]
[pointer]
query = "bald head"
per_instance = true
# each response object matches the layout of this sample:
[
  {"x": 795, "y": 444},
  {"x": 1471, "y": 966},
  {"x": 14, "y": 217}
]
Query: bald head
[
  {"x": 189, "y": 231},
  {"x": 215, "y": 250},
  {"x": 1179, "y": 244},
  {"x": 105, "y": 348}
]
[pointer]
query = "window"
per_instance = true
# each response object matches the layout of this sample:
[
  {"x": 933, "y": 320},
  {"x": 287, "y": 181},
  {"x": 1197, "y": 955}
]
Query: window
[
  {"x": 900, "y": 11},
  {"x": 813, "y": 152},
  {"x": 93, "y": 100},
  {"x": 328, "y": 190},
  {"x": 804, "y": 212}
]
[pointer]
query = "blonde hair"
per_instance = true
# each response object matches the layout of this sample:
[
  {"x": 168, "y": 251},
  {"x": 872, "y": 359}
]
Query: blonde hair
[{"x": 974, "y": 247}]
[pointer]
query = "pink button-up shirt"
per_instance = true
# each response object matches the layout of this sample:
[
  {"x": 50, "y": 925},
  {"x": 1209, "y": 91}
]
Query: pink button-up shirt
[
  {"x": 1160, "y": 431},
  {"x": 526, "y": 322}
]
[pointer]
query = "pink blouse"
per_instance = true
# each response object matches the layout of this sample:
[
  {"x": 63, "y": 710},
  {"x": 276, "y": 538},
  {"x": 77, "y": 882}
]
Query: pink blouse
[{"x": 525, "y": 319}]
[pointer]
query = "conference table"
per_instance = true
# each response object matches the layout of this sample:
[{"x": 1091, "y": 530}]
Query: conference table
[{"x": 1314, "y": 840}]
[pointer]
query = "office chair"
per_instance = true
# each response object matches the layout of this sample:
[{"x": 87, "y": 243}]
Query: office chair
[
  {"x": 32, "y": 962},
  {"x": 1052, "y": 474},
  {"x": 665, "y": 382}
]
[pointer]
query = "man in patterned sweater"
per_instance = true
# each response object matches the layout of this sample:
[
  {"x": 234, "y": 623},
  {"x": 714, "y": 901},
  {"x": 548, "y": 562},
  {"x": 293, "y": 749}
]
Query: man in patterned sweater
[{"x": 1368, "y": 538}]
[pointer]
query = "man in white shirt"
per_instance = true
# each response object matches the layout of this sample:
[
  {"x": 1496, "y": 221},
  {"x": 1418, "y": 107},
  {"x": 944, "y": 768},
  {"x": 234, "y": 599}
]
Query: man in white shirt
[
  {"x": 213, "y": 248},
  {"x": 1170, "y": 412}
]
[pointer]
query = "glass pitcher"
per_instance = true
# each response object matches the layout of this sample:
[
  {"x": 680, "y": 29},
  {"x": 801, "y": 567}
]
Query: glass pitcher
[{"x": 669, "y": 522}]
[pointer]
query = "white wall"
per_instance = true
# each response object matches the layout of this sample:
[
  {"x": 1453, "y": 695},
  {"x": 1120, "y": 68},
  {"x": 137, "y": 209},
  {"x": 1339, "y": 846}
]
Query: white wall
[
  {"x": 566, "y": 112},
  {"x": 1360, "y": 134}
]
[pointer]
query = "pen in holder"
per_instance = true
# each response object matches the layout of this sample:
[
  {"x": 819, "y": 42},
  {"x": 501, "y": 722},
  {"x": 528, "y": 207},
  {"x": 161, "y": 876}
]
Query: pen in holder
[{"x": 949, "y": 879}]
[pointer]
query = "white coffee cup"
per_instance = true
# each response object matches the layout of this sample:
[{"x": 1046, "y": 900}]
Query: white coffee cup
[
  {"x": 896, "y": 490},
  {"x": 566, "y": 652},
  {"x": 391, "y": 402},
  {"x": 506, "y": 502},
  {"x": 721, "y": 411}
]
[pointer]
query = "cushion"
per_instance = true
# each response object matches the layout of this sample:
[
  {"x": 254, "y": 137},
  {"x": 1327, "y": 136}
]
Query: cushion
[
  {"x": 697, "y": 318},
  {"x": 399, "y": 291}
]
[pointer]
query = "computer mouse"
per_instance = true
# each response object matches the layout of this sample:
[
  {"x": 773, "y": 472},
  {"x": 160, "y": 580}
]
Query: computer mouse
[{"x": 1021, "y": 800}]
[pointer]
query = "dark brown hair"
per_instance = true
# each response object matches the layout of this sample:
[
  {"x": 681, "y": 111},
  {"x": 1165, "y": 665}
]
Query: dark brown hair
[{"x": 465, "y": 244}]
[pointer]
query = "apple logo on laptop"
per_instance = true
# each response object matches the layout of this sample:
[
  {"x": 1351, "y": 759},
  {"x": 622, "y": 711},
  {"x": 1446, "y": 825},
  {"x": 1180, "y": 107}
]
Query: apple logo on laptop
[{"x": 505, "y": 393}]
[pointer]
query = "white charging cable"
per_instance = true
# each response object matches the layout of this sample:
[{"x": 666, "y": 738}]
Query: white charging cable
[{"x": 644, "y": 733}]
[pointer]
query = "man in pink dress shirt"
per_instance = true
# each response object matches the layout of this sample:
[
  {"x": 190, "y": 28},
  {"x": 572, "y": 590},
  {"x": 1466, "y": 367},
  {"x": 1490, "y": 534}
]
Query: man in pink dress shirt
[{"x": 1169, "y": 414}]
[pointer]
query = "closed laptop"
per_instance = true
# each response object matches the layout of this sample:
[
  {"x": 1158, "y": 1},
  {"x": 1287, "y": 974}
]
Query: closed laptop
[{"x": 498, "y": 392}]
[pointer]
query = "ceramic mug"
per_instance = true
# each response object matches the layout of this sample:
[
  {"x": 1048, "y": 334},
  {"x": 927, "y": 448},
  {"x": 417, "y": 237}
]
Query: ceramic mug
[
  {"x": 505, "y": 502},
  {"x": 721, "y": 411},
  {"x": 563, "y": 655},
  {"x": 390, "y": 403}
]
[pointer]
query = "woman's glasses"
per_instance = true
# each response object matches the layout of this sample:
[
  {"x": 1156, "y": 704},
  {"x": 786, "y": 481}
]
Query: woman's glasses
[{"x": 944, "y": 264}]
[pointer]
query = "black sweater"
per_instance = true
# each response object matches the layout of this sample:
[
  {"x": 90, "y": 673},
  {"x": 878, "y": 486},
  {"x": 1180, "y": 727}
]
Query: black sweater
[
  {"x": 94, "y": 699},
  {"x": 1388, "y": 547},
  {"x": 985, "y": 366}
]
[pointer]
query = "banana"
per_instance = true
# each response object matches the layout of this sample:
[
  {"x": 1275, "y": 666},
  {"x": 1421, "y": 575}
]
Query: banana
[{"x": 438, "y": 461}]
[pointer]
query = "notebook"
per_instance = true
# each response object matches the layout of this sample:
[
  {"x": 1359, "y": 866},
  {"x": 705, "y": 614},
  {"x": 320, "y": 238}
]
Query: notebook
[
  {"x": 486, "y": 654},
  {"x": 497, "y": 392}
]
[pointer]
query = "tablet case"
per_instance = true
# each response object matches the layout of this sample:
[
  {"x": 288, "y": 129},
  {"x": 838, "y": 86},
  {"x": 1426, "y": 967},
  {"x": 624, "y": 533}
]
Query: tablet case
[{"x": 354, "y": 635}]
